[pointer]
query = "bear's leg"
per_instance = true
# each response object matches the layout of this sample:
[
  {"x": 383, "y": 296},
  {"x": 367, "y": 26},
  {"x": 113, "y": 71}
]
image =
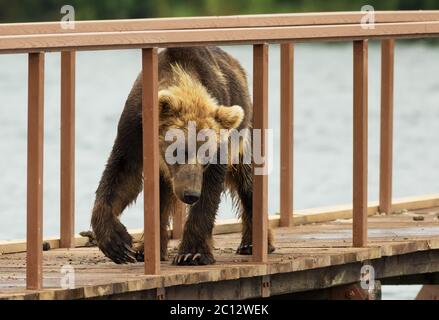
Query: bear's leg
[
  {"x": 167, "y": 207},
  {"x": 120, "y": 185},
  {"x": 241, "y": 183},
  {"x": 196, "y": 246}
]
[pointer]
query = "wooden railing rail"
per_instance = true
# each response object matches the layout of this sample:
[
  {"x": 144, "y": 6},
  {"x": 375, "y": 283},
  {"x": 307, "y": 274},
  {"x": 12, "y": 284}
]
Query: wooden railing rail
[
  {"x": 242, "y": 21},
  {"x": 258, "y": 30},
  {"x": 219, "y": 36}
]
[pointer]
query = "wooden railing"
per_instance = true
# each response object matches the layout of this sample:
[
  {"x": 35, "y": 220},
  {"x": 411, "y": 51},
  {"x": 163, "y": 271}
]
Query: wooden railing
[{"x": 258, "y": 30}]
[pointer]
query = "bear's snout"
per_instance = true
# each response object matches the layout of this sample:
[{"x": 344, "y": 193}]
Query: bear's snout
[
  {"x": 188, "y": 182},
  {"x": 191, "y": 197}
]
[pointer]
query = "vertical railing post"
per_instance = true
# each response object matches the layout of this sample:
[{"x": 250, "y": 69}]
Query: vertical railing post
[
  {"x": 260, "y": 180},
  {"x": 386, "y": 146},
  {"x": 178, "y": 220},
  {"x": 150, "y": 116},
  {"x": 360, "y": 143},
  {"x": 286, "y": 135},
  {"x": 68, "y": 60},
  {"x": 35, "y": 155}
]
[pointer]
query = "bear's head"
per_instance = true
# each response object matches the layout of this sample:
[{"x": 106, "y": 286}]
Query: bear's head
[{"x": 192, "y": 129}]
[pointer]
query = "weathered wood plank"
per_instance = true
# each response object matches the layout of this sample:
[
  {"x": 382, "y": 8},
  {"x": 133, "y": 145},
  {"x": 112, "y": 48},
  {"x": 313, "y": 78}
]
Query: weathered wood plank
[
  {"x": 260, "y": 175},
  {"x": 312, "y": 247},
  {"x": 178, "y": 220},
  {"x": 35, "y": 156},
  {"x": 360, "y": 143},
  {"x": 286, "y": 137},
  {"x": 150, "y": 116},
  {"x": 203, "y": 37},
  {"x": 386, "y": 144},
  {"x": 302, "y": 217},
  {"x": 68, "y": 76},
  {"x": 266, "y": 20}
]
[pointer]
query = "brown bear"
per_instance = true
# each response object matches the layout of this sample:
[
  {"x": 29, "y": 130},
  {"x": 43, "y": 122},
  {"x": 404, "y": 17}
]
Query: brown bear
[{"x": 202, "y": 85}]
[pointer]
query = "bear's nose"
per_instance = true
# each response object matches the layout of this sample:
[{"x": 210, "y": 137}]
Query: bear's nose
[{"x": 190, "y": 197}]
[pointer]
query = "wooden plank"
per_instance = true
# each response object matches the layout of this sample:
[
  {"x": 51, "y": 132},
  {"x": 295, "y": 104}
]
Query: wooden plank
[
  {"x": 245, "y": 21},
  {"x": 286, "y": 136},
  {"x": 413, "y": 203},
  {"x": 386, "y": 145},
  {"x": 97, "y": 276},
  {"x": 260, "y": 180},
  {"x": 302, "y": 217},
  {"x": 178, "y": 220},
  {"x": 428, "y": 292},
  {"x": 360, "y": 144},
  {"x": 203, "y": 37},
  {"x": 151, "y": 160},
  {"x": 408, "y": 203},
  {"x": 354, "y": 291},
  {"x": 68, "y": 65},
  {"x": 35, "y": 156}
]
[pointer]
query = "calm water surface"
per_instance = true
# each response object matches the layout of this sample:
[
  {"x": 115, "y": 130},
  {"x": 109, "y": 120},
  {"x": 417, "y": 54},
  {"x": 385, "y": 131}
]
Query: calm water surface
[{"x": 323, "y": 129}]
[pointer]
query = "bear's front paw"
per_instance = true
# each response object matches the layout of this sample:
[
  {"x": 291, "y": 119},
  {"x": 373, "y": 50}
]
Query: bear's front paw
[
  {"x": 247, "y": 249},
  {"x": 193, "y": 259},
  {"x": 116, "y": 243}
]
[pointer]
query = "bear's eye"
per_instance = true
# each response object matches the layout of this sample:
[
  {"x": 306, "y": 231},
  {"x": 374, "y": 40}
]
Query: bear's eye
[
  {"x": 213, "y": 159},
  {"x": 167, "y": 110},
  {"x": 164, "y": 106}
]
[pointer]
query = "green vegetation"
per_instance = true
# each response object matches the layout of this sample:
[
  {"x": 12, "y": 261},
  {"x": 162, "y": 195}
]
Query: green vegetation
[{"x": 49, "y": 10}]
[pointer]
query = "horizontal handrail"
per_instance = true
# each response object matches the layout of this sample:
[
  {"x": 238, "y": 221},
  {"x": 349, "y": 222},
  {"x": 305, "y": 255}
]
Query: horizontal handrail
[
  {"x": 241, "y": 21},
  {"x": 119, "y": 37}
]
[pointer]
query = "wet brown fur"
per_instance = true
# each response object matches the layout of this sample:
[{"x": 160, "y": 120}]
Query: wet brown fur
[{"x": 193, "y": 85}]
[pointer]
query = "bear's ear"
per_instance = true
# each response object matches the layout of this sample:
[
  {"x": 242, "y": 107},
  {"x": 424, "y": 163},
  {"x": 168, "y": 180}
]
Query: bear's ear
[{"x": 229, "y": 117}]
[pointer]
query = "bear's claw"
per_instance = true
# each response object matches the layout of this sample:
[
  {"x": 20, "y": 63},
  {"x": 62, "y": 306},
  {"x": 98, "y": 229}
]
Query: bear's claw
[
  {"x": 118, "y": 246},
  {"x": 247, "y": 249},
  {"x": 140, "y": 256},
  {"x": 120, "y": 253},
  {"x": 193, "y": 259}
]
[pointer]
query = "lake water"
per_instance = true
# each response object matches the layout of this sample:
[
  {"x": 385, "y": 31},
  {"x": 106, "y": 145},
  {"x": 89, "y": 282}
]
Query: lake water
[{"x": 323, "y": 128}]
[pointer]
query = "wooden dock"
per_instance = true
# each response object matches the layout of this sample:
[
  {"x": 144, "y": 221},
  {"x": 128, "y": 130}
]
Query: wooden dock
[
  {"x": 309, "y": 257},
  {"x": 327, "y": 254}
]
